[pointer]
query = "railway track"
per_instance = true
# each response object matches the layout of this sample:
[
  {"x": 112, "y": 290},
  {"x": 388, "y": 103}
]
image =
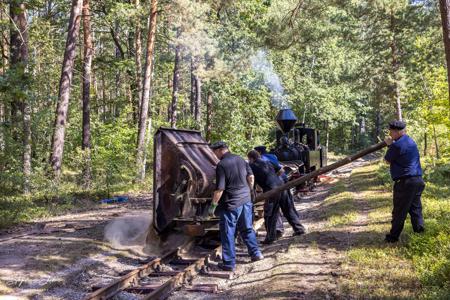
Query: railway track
[{"x": 176, "y": 269}]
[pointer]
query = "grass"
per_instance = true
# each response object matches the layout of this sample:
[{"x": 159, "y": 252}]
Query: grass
[
  {"x": 416, "y": 268},
  {"x": 340, "y": 207}
]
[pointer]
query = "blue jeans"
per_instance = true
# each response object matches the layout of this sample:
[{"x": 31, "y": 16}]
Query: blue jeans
[{"x": 241, "y": 218}]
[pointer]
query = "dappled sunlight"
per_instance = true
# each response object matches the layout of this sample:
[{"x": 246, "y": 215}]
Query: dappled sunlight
[
  {"x": 384, "y": 270},
  {"x": 62, "y": 260}
]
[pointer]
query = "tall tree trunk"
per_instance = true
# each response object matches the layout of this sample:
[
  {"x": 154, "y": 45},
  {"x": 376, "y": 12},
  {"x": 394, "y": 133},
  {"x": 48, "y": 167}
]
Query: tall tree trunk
[
  {"x": 138, "y": 61},
  {"x": 144, "y": 120},
  {"x": 19, "y": 63},
  {"x": 104, "y": 101},
  {"x": 4, "y": 63},
  {"x": 64, "y": 89},
  {"x": 26, "y": 114},
  {"x": 395, "y": 67},
  {"x": 436, "y": 145},
  {"x": 2, "y": 121},
  {"x": 4, "y": 42},
  {"x": 176, "y": 86},
  {"x": 377, "y": 124},
  {"x": 425, "y": 143},
  {"x": 444, "y": 6},
  {"x": 327, "y": 134},
  {"x": 209, "y": 111},
  {"x": 14, "y": 43},
  {"x": 87, "y": 63},
  {"x": 193, "y": 87},
  {"x": 198, "y": 100}
]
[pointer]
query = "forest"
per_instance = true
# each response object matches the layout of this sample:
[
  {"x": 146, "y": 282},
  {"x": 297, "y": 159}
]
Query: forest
[{"x": 84, "y": 85}]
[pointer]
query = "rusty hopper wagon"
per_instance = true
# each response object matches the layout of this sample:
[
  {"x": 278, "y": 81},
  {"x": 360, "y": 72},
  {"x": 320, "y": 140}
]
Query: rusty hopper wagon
[{"x": 184, "y": 180}]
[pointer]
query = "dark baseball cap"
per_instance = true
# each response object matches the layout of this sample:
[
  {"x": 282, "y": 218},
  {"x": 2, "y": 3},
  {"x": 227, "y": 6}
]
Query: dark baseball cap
[
  {"x": 218, "y": 145},
  {"x": 397, "y": 125},
  {"x": 261, "y": 149}
]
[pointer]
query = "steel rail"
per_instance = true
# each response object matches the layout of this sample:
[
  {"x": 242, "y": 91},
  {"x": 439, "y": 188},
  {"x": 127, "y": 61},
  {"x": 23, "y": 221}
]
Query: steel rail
[
  {"x": 177, "y": 281},
  {"x": 190, "y": 272},
  {"x": 128, "y": 279}
]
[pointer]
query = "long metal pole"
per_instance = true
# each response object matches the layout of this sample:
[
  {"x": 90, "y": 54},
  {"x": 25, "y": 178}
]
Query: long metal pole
[{"x": 321, "y": 171}]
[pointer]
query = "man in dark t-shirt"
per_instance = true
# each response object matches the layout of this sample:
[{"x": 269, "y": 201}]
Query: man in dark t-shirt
[
  {"x": 267, "y": 178},
  {"x": 234, "y": 181},
  {"x": 404, "y": 160}
]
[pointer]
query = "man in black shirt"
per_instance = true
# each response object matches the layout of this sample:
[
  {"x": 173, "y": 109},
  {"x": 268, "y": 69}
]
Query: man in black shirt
[
  {"x": 234, "y": 181},
  {"x": 267, "y": 179}
]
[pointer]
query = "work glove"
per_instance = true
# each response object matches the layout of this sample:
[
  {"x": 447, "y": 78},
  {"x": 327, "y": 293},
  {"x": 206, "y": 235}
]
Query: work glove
[
  {"x": 388, "y": 140},
  {"x": 212, "y": 209}
]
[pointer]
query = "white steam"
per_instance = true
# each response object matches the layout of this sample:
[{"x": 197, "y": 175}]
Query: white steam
[{"x": 261, "y": 64}]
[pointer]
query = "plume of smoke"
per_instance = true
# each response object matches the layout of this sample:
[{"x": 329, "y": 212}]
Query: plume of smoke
[{"x": 261, "y": 64}]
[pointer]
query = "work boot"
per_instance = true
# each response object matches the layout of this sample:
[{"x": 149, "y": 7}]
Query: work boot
[
  {"x": 257, "y": 257},
  {"x": 390, "y": 239},
  {"x": 279, "y": 234},
  {"x": 225, "y": 268},
  {"x": 267, "y": 242},
  {"x": 421, "y": 229},
  {"x": 296, "y": 233}
]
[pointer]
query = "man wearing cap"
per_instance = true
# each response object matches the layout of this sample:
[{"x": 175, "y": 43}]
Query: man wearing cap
[
  {"x": 267, "y": 179},
  {"x": 272, "y": 158},
  {"x": 234, "y": 181},
  {"x": 286, "y": 202},
  {"x": 404, "y": 160}
]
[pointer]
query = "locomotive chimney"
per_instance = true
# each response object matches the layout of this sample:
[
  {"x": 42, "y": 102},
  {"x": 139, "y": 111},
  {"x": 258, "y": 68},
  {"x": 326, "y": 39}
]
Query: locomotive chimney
[{"x": 286, "y": 120}]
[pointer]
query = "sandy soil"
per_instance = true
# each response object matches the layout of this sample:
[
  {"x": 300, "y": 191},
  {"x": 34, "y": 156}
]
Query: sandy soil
[{"x": 65, "y": 257}]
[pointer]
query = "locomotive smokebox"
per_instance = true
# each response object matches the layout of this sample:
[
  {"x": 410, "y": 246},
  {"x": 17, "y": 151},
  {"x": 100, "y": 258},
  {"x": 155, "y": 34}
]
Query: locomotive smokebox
[{"x": 286, "y": 120}]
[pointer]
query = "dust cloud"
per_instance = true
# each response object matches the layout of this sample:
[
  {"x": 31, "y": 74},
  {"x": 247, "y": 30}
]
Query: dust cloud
[
  {"x": 130, "y": 233},
  {"x": 136, "y": 233}
]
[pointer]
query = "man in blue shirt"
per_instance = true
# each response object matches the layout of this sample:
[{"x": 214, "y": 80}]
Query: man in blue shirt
[
  {"x": 404, "y": 160},
  {"x": 234, "y": 182},
  {"x": 273, "y": 159}
]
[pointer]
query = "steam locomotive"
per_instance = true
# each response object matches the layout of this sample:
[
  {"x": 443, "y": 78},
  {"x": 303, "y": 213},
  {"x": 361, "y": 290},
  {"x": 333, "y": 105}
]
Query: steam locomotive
[
  {"x": 297, "y": 147},
  {"x": 184, "y": 172}
]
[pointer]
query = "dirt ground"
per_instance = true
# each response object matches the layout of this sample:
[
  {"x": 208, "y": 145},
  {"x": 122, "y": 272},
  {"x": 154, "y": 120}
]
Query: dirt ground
[
  {"x": 301, "y": 267},
  {"x": 64, "y": 257}
]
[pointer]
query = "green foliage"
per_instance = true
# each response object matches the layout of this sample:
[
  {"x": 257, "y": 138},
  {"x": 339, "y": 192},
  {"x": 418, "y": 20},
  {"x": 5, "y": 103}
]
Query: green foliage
[{"x": 242, "y": 116}]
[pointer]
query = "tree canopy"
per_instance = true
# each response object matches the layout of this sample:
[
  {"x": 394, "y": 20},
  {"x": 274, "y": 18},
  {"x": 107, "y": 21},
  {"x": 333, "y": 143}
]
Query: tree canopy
[{"x": 346, "y": 68}]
